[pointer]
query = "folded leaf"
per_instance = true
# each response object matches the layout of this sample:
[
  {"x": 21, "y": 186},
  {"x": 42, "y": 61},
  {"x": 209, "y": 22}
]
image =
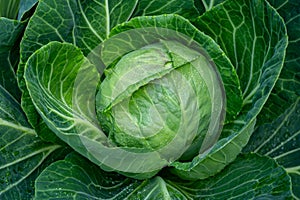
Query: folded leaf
[{"x": 83, "y": 23}]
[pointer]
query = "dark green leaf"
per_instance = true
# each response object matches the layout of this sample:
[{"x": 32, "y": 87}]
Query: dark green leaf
[
  {"x": 280, "y": 140},
  {"x": 255, "y": 44},
  {"x": 10, "y": 35},
  {"x": 77, "y": 178},
  {"x": 22, "y": 154},
  {"x": 250, "y": 176},
  {"x": 286, "y": 90},
  {"x": 253, "y": 36},
  {"x": 279, "y": 122}
]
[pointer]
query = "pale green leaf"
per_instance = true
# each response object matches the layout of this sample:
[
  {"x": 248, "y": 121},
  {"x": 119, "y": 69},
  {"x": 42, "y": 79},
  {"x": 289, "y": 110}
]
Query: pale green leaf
[
  {"x": 130, "y": 105},
  {"x": 215, "y": 159}
]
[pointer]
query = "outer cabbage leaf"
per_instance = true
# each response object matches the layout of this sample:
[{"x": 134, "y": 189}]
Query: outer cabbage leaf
[
  {"x": 76, "y": 178},
  {"x": 63, "y": 92},
  {"x": 284, "y": 97},
  {"x": 16, "y": 9},
  {"x": 83, "y": 23},
  {"x": 255, "y": 44},
  {"x": 277, "y": 133},
  {"x": 22, "y": 154},
  {"x": 280, "y": 140},
  {"x": 249, "y": 38},
  {"x": 286, "y": 90},
  {"x": 250, "y": 176},
  {"x": 10, "y": 33}
]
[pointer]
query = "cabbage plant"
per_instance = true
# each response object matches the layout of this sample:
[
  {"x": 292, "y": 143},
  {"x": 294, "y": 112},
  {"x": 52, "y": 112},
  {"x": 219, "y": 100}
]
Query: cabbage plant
[{"x": 150, "y": 99}]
